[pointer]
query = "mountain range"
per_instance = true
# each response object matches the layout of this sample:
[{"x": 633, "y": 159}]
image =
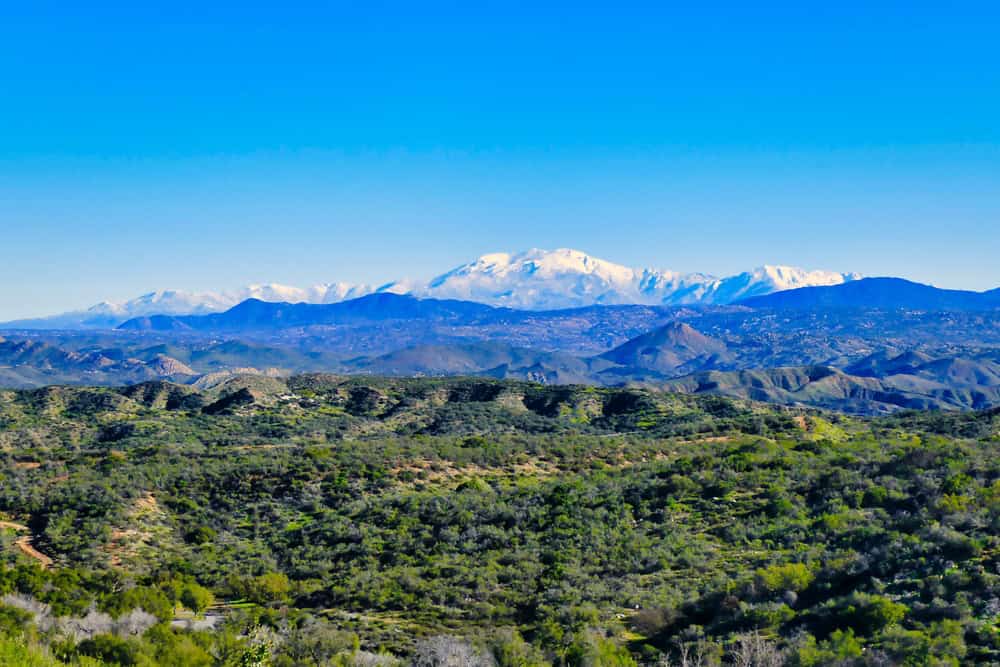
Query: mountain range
[
  {"x": 530, "y": 280},
  {"x": 846, "y": 343},
  {"x": 857, "y": 359}
]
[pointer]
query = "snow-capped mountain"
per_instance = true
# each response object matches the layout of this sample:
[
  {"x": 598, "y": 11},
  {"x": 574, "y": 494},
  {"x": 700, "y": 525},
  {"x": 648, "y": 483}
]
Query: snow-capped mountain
[
  {"x": 178, "y": 302},
  {"x": 763, "y": 280},
  {"x": 540, "y": 279},
  {"x": 165, "y": 302},
  {"x": 534, "y": 280},
  {"x": 564, "y": 278}
]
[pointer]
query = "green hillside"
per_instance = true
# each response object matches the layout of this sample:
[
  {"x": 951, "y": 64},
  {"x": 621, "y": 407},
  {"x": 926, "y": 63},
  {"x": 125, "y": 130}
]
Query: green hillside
[{"x": 323, "y": 520}]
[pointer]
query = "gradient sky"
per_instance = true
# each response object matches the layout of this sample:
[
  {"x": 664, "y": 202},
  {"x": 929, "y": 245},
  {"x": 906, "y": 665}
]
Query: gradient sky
[{"x": 146, "y": 146}]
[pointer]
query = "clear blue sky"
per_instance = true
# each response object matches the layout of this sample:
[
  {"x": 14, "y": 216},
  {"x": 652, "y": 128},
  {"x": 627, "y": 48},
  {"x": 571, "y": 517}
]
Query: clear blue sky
[{"x": 146, "y": 146}]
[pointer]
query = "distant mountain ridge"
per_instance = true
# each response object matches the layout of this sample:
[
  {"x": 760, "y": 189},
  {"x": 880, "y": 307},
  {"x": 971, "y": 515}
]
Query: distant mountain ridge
[
  {"x": 889, "y": 293},
  {"x": 256, "y": 315},
  {"x": 530, "y": 280}
]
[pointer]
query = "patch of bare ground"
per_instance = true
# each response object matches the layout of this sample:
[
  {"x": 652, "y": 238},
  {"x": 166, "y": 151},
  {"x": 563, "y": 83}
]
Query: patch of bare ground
[
  {"x": 10, "y": 525},
  {"x": 445, "y": 471},
  {"x": 716, "y": 438},
  {"x": 431, "y": 471},
  {"x": 145, "y": 526}
]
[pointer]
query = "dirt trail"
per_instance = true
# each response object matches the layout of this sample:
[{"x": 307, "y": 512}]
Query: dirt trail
[
  {"x": 10, "y": 525},
  {"x": 24, "y": 544}
]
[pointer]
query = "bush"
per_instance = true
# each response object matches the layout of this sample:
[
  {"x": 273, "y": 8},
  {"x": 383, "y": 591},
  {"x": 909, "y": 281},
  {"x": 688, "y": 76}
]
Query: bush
[
  {"x": 13, "y": 620},
  {"x": 268, "y": 588},
  {"x": 147, "y": 598},
  {"x": 110, "y": 649},
  {"x": 779, "y": 578},
  {"x": 510, "y": 650},
  {"x": 869, "y": 614},
  {"x": 593, "y": 650}
]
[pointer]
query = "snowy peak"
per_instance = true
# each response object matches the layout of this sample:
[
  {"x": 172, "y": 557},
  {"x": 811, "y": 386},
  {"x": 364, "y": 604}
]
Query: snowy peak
[
  {"x": 538, "y": 264},
  {"x": 539, "y": 279},
  {"x": 566, "y": 278},
  {"x": 789, "y": 277},
  {"x": 768, "y": 279},
  {"x": 324, "y": 293},
  {"x": 164, "y": 302},
  {"x": 179, "y": 302}
]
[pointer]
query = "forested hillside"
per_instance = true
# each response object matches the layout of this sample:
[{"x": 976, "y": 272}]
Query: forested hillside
[{"x": 324, "y": 520}]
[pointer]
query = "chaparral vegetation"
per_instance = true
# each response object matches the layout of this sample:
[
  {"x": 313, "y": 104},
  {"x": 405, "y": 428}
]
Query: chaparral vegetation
[{"x": 323, "y": 520}]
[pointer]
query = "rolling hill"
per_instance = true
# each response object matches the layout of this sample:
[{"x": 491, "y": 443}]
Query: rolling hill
[{"x": 668, "y": 349}]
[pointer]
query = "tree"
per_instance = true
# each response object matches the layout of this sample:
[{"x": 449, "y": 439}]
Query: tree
[
  {"x": 196, "y": 598},
  {"x": 448, "y": 651},
  {"x": 110, "y": 649},
  {"x": 510, "y": 650},
  {"x": 593, "y": 650},
  {"x": 147, "y": 598},
  {"x": 270, "y": 587},
  {"x": 753, "y": 650}
]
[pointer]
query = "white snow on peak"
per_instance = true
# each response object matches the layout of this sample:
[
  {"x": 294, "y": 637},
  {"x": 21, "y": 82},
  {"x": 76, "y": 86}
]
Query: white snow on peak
[
  {"x": 767, "y": 279},
  {"x": 180, "y": 302},
  {"x": 790, "y": 277},
  {"x": 534, "y": 279},
  {"x": 543, "y": 264},
  {"x": 165, "y": 302},
  {"x": 548, "y": 279}
]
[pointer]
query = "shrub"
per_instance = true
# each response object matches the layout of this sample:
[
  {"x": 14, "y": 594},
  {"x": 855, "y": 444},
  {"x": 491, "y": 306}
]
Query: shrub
[{"x": 779, "y": 578}]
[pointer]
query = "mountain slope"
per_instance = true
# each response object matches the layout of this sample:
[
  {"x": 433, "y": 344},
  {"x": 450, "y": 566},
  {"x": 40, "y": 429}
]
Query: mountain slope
[{"x": 888, "y": 293}]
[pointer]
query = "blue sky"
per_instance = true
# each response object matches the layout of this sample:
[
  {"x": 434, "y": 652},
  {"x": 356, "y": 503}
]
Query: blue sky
[{"x": 182, "y": 146}]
